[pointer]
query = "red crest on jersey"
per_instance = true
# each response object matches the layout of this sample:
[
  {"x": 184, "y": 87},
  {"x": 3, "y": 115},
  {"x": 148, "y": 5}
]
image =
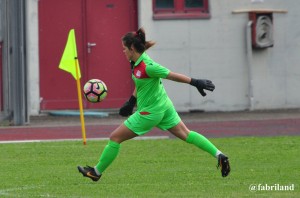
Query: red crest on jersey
[{"x": 139, "y": 71}]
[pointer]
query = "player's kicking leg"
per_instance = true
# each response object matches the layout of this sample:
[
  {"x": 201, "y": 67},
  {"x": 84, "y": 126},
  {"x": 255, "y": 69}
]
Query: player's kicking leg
[{"x": 109, "y": 153}]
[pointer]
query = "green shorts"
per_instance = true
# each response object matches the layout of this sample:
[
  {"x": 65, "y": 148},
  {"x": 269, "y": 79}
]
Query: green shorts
[{"x": 142, "y": 122}]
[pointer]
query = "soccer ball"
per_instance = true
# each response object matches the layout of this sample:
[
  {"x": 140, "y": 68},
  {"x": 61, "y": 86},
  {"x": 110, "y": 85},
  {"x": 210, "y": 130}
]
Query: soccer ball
[{"x": 95, "y": 90}]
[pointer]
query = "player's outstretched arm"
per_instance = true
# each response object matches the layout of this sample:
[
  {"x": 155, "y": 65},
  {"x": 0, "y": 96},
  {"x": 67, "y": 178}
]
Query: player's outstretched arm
[
  {"x": 178, "y": 77},
  {"x": 200, "y": 84}
]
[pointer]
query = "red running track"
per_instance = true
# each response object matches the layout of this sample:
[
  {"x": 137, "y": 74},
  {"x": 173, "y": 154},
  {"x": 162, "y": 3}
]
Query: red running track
[{"x": 276, "y": 127}]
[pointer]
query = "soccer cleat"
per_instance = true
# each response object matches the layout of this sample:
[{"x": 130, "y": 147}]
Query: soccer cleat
[
  {"x": 89, "y": 172},
  {"x": 223, "y": 163}
]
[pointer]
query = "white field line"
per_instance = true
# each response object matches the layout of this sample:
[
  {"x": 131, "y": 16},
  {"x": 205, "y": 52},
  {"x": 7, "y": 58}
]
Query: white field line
[
  {"x": 10, "y": 191},
  {"x": 62, "y": 140}
]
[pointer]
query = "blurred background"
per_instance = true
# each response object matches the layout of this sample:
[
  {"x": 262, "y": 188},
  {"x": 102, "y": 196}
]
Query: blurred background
[{"x": 250, "y": 49}]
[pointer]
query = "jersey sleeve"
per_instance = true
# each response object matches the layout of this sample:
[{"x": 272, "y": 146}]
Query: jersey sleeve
[{"x": 155, "y": 70}]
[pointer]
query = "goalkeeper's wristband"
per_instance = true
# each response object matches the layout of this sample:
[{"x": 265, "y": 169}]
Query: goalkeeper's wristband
[{"x": 193, "y": 82}]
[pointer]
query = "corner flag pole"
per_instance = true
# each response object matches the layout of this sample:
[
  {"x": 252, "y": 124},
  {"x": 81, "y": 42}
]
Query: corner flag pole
[
  {"x": 80, "y": 104},
  {"x": 69, "y": 63}
]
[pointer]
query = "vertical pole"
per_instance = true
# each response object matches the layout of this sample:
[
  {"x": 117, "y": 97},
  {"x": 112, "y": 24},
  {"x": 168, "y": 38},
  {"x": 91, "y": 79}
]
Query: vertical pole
[
  {"x": 18, "y": 61},
  {"x": 80, "y": 103},
  {"x": 249, "y": 61}
]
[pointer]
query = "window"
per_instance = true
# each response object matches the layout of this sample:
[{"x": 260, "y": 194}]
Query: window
[{"x": 180, "y": 9}]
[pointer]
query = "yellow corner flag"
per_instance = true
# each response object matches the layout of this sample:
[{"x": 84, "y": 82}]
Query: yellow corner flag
[{"x": 69, "y": 61}]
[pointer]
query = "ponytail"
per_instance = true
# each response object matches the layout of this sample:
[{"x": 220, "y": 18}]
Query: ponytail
[{"x": 138, "y": 40}]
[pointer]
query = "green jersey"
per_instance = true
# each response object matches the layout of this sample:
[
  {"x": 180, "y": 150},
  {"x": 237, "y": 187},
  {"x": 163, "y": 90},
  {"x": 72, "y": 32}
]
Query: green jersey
[{"x": 151, "y": 95}]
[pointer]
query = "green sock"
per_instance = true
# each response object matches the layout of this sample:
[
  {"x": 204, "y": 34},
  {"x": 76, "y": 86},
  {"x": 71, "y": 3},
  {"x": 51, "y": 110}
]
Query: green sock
[
  {"x": 108, "y": 155},
  {"x": 201, "y": 142}
]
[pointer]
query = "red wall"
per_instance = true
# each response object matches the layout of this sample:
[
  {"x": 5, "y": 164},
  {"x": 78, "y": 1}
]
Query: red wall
[{"x": 100, "y": 22}]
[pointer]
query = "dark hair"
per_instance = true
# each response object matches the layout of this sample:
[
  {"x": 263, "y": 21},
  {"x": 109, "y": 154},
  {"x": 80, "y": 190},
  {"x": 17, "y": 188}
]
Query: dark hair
[{"x": 138, "y": 40}]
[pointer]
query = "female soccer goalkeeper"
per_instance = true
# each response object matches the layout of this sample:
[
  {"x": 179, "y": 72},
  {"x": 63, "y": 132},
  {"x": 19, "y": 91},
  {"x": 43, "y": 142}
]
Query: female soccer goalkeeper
[{"x": 154, "y": 108}]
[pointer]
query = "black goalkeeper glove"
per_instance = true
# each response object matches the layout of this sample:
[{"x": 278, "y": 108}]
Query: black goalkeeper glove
[
  {"x": 202, "y": 84},
  {"x": 127, "y": 108}
]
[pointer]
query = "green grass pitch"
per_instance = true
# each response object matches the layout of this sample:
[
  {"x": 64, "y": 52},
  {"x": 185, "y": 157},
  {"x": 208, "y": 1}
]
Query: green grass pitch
[{"x": 151, "y": 168}]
